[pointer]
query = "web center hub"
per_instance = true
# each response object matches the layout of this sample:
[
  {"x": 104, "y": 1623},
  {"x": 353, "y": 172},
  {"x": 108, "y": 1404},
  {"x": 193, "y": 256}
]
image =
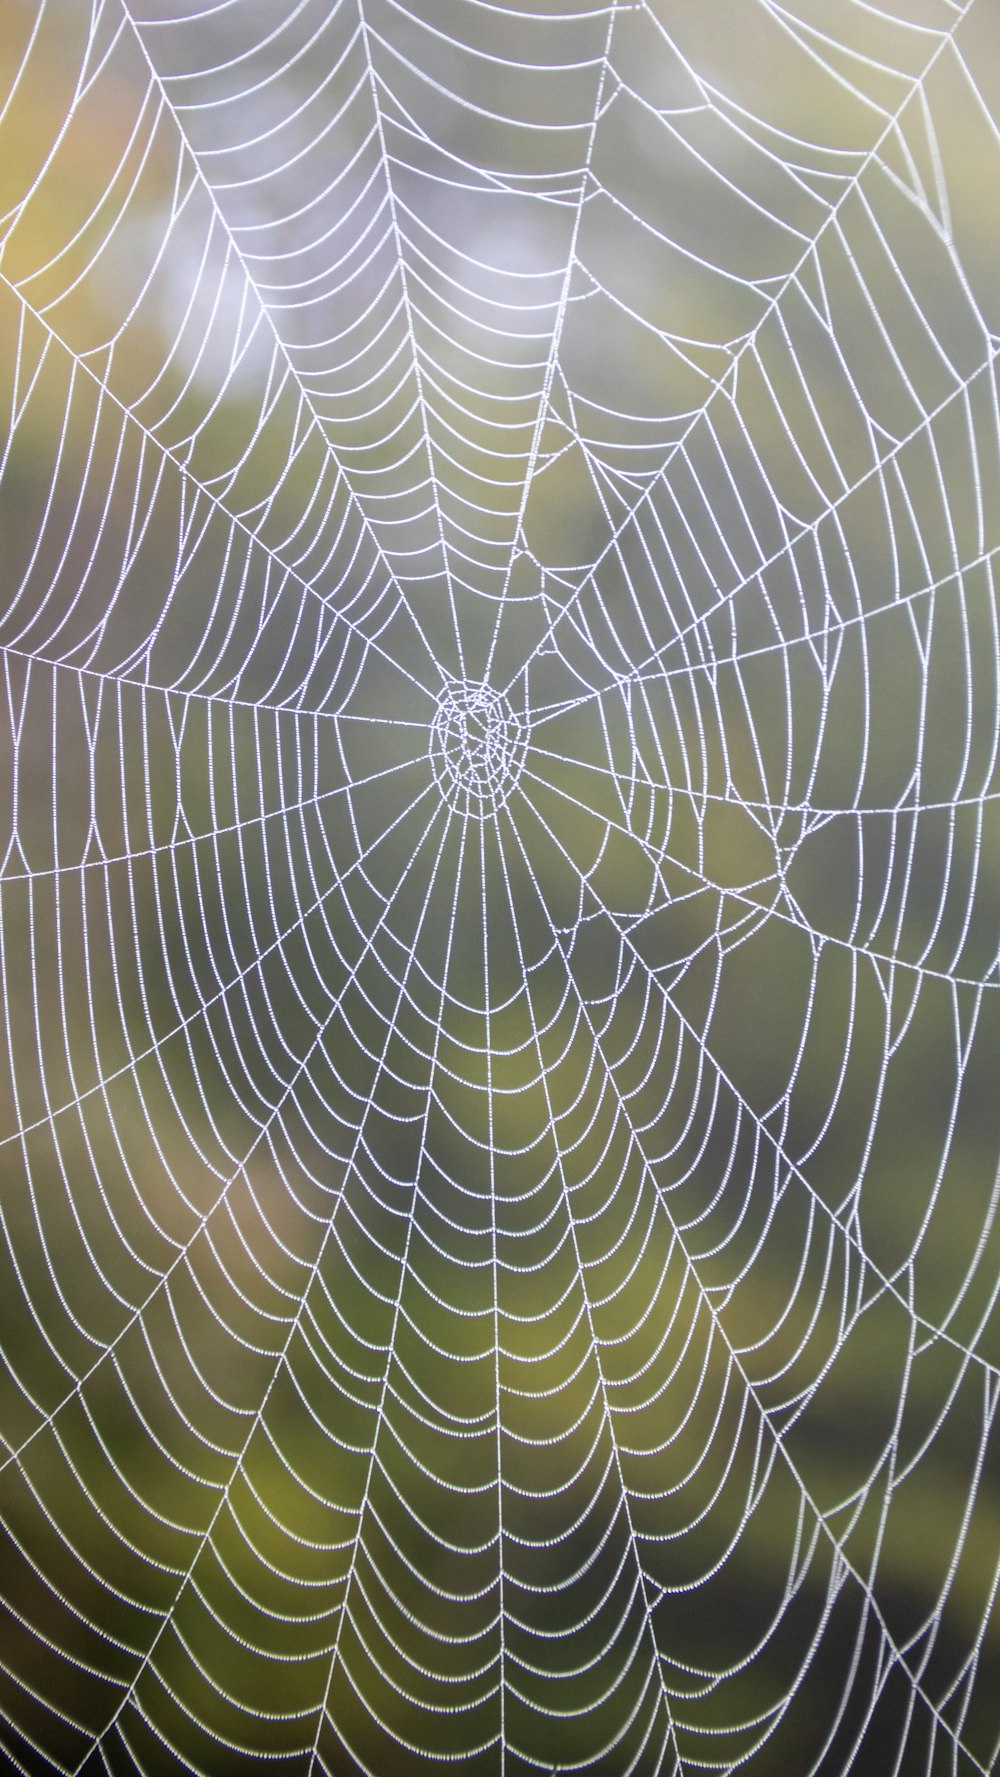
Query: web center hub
[{"x": 477, "y": 748}]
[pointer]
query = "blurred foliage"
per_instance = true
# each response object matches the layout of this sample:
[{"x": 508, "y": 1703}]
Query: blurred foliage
[{"x": 667, "y": 1188}]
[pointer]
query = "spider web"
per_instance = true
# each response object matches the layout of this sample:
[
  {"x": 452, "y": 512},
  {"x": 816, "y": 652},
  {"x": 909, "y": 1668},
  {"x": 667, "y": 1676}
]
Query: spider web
[{"x": 500, "y": 870}]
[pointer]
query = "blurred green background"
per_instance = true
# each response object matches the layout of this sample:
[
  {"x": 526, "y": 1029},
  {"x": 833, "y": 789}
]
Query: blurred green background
[{"x": 519, "y": 1292}]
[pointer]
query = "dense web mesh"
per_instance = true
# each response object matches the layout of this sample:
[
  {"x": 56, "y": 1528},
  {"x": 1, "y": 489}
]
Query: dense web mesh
[{"x": 500, "y": 886}]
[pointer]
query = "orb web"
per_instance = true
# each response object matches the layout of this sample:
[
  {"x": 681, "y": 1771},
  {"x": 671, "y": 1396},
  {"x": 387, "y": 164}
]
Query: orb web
[{"x": 499, "y": 870}]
